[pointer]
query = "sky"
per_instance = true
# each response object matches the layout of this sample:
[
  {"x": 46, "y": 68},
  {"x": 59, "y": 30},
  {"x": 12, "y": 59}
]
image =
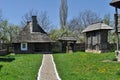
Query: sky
[{"x": 14, "y": 10}]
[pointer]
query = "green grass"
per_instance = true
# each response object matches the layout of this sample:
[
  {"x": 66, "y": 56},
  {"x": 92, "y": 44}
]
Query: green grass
[
  {"x": 20, "y": 67},
  {"x": 87, "y": 66}
]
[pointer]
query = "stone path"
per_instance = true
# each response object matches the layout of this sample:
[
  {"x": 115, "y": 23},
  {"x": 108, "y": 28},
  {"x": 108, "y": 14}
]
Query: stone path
[{"x": 48, "y": 69}]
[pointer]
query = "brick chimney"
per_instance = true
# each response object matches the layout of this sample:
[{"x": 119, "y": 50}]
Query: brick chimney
[{"x": 34, "y": 23}]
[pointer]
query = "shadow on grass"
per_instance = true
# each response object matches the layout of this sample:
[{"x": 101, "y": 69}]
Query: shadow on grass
[
  {"x": 1, "y": 66},
  {"x": 6, "y": 59}
]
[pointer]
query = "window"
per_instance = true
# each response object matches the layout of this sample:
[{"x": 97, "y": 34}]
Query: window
[{"x": 23, "y": 46}]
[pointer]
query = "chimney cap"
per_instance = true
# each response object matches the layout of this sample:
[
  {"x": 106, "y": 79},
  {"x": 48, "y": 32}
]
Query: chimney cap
[{"x": 34, "y": 16}]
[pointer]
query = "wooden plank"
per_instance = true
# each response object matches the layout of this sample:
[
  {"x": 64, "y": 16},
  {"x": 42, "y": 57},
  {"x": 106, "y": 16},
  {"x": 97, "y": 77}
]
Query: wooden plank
[{"x": 118, "y": 23}]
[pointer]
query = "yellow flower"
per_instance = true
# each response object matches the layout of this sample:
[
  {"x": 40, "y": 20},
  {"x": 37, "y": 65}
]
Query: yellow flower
[
  {"x": 101, "y": 70},
  {"x": 118, "y": 79}
]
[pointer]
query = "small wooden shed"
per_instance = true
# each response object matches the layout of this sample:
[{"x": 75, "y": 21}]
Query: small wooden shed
[
  {"x": 67, "y": 44},
  {"x": 97, "y": 37}
]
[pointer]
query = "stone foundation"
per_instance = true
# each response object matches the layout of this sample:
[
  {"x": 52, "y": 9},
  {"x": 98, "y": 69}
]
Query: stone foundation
[
  {"x": 117, "y": 54},
  {"x": 96, "y": 51},
  {"x": 93, "y": 51}
]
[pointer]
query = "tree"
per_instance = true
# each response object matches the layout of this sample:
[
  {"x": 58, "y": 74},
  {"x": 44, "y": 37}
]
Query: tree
[
  {"x": 78, "y": 23},
  {"x": 13, "y": 32},
  {"x": 73, "y": 24},
  {"x": 63, "y": 14},
  {"x": 55, "y": 34},
  {"x": 43, "y": 19},
  {"x": 107, "y": 20},
  {"x": 8, "y": 32},
  {"x": 75, "y": 28},
  {"x": 88, "y": 17},
  {"x": 3, "y": 31}
]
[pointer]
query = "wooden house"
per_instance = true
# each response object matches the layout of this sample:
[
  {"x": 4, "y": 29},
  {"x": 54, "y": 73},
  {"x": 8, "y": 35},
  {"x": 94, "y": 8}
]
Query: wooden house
[
  {"x": 97, "y": 37},
  {"x": 68, "y": 44},
  {"x": 32, "y": 39}
]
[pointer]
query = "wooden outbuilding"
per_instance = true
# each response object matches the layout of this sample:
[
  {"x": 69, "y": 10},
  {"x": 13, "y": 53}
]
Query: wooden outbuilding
[
  {"x": 32, "y": 39},
  {"x": 67, "y": 44},
  {"x": 116, "y": 4},
  {"x": 97, "y": 37}
]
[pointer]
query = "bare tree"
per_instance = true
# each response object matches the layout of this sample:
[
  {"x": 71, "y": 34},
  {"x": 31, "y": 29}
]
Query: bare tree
[
  {"x": 88, "y": 17},
  {"x": 74, "y": 24},
  {"x": 27, "y": 17},
  {"x": 43, "y": 19},
  {"x": 75, "y": 27},
  {"x": 77, "y": 24},
  {"x": 63, "y": 14}
]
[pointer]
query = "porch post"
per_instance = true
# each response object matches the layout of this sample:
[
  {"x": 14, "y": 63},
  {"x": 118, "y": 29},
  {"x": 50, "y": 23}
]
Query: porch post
[{"x": 116, "y": 28}]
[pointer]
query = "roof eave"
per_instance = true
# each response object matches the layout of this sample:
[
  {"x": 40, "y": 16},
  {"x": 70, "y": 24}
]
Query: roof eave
[
  {"x": 96, "y": 30},
  {"x": 115, "y": 4},
  {"x": 67, "y": 39},
  {"x": 83, "y": 32}
]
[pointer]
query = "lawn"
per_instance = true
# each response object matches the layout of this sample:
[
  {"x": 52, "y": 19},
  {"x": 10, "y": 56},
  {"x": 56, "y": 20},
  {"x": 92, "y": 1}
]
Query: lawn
[
  {"x": 20, "y": 67},
  {"x": 87, "y": 66}
]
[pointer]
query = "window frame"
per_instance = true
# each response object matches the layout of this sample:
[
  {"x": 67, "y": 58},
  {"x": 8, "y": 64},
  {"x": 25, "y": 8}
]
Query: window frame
[{"x": 24, "y": 46}]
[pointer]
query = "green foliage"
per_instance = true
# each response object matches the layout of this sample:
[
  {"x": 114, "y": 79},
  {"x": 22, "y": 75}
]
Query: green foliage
[
  {"x": 111, "y": 37},
  {"x": 24, "y": 67},
  {"x": 8, "y": 31},
  {"x": 13, "y": 31},
  {"x": 4, "y": 30},
  {"x": 107, "y": 20},
  {"x": 55, "y": 34},
  {"x": 87, "y": 66}
]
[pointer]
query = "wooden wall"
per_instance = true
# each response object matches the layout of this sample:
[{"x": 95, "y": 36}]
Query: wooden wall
[
  {"x": 97, "y": 40},
  {"x": 33, "y": 48}
]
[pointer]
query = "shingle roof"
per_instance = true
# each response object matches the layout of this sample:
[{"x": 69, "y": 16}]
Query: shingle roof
[
  {"x": 67, "y": 39},
  {"x": 115, "y": 3},
  {"x": 97, "y": 26},
  {"x": 27, "y": 35}
]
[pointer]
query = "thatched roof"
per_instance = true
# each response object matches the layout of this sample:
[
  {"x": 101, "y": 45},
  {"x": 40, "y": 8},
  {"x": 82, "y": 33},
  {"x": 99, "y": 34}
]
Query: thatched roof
[
  {"x": 97, "y": 26},
  {"x": 115, "y": 3},
  {"x": 32, "y": 33},
  {"x": 67, "y": 39}
]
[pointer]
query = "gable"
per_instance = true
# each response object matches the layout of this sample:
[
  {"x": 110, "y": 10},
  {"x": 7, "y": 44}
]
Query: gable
[{"x": 38, "y": 28}]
